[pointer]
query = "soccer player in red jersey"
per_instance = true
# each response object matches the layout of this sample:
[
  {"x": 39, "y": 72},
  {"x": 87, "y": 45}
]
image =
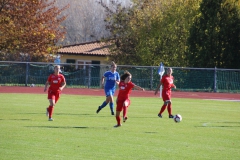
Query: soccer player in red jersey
[
  {"x": 167, "y": 83},
  {"x": 123, "y": 101},
  {"x": 57, "y": 82}
]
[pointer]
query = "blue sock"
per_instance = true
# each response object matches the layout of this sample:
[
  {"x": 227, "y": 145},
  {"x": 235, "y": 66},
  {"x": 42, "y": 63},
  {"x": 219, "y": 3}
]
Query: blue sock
[
  {"x": 103, "y": 104},
  {"x": 111, "y": 106}
]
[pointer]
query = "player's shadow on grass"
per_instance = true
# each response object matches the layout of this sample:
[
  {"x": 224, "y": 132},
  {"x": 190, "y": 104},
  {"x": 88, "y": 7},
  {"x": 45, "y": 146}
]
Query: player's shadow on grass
[
  {"x": 218, "y": 126},
  {"x": 66, "y": 127},
  {"x": 71, "y": 114},
  {"x": 151, "y": 132},
  {"x": 150, "y": 117},
  {"x": 228, "y": 122},
  {"x": 20, "y": 119}
]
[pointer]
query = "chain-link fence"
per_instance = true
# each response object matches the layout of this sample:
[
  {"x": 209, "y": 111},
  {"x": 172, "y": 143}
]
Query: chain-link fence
[{"x": 89, "y": 76}]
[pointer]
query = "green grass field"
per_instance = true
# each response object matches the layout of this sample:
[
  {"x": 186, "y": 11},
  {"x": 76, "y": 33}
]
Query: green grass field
[{"x": 209, "y": 130}]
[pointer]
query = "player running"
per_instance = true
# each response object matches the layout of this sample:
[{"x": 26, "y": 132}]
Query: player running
[
  {"x": 57, "y": 82},
  {"x": 167, "y": 82},
  {"x": 123, "y": 101},
  {"x": 112, "y": 77}
]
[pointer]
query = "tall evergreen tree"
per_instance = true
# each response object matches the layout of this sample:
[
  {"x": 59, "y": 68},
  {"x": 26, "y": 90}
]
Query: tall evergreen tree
[{"x": 214, "y": 39}]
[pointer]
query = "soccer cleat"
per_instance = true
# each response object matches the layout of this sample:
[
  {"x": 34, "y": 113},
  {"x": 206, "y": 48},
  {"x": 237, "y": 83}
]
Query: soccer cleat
[
  {"x": 112, "y": 113},
  {"x": 50, "y": 119},
  {"x": 125, "y": 119},
  {"x": 99, "y": 109},
  {"x": 47, "y": 114},
  {"x": 117, "y": 125},
  {"x": 170, "y": 116},
  {"x": 159, "y": 115}
]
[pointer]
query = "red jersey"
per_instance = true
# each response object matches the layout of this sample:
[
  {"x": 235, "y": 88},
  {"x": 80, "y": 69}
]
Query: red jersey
[
  {"x": 55, "y": 81},
  {"x": 167, "y": 82},
  {"x": 125, "y": 90}
]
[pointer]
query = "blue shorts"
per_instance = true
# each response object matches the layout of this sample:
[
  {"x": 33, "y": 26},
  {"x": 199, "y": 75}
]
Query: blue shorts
[{"x": 109, "y": 91}]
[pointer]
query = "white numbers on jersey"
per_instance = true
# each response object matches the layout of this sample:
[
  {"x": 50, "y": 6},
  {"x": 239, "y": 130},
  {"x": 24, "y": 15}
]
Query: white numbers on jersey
[
  {"x": 170, "y": 80},
  {"x": 122, "y": 87},
  {"x": 55, "y": 81},
  {"x": 112, "y": 78}
]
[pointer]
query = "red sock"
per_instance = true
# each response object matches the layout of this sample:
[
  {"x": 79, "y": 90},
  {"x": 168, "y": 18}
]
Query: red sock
[
  {"x": 169, "y": 108},
  {"x": 50, "y": 111},
  {"x": 162, "y": 109},
  {"x": 125, "y": 109},
  {"x": 118, "y": 118}
]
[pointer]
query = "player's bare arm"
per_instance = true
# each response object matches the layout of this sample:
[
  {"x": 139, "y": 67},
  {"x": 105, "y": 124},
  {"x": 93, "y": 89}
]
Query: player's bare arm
[
  {"x": 118, "y": 82},
  {"x": 62, "y": 86},
  {"x": 102, "y": 83},
  {"x": 46, "y": 85},
  {"x": 156, "y": 91},
  {"x": 139, "y": 88},
  {"x": 174, "y": 86}
]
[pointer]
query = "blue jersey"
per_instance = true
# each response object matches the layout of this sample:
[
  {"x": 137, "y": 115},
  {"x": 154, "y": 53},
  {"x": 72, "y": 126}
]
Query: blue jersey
[{"x": 111, "y": 79}]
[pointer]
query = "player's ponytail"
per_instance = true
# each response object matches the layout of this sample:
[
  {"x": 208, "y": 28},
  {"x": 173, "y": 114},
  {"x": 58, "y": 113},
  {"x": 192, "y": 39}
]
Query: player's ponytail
[{"x": 113, "y": 64}]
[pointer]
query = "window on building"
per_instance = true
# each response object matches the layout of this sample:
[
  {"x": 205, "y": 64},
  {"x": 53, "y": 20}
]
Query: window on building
[
  {"x": 70, "y": 67},
  {"x": 83, "y": 64}
]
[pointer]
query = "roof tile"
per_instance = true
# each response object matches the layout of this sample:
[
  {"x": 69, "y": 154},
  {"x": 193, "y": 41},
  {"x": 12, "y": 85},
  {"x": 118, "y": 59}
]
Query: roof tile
[{"x": 90, "y": 48}]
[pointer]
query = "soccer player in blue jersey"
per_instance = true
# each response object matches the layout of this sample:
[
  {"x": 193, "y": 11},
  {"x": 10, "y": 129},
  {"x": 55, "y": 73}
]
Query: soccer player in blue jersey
[{"x": 112, "y": 77}]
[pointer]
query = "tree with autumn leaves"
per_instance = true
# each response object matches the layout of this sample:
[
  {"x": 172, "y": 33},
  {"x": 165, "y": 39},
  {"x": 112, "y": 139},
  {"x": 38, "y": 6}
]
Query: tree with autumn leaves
[
  {"x": 150, "y": 31},
  {"x": 30, "y": 29}
]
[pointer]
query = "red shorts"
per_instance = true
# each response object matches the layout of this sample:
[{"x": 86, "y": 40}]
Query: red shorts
[
  {"x": 53, "y": 95},
  {"x": 166, "y": 95},
  {"x": 122, "y": 103}
]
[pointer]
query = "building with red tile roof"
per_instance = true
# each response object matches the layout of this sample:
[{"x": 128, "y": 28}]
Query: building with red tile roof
[{"x": 85, "y": 53}]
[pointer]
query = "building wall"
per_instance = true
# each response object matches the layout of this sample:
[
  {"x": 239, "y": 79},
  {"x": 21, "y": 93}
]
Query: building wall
[
  {"x": 82, "y": 61},
  {"x": 103, "y": 60}
]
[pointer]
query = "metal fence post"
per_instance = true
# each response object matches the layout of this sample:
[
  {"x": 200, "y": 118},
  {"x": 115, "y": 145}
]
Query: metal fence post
[
  {"x": 151, "y": 83},
  {"x": 27, "y": 69},
  {"x": 89, "y": 75},
  {"x": 215, "y": 79}
]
